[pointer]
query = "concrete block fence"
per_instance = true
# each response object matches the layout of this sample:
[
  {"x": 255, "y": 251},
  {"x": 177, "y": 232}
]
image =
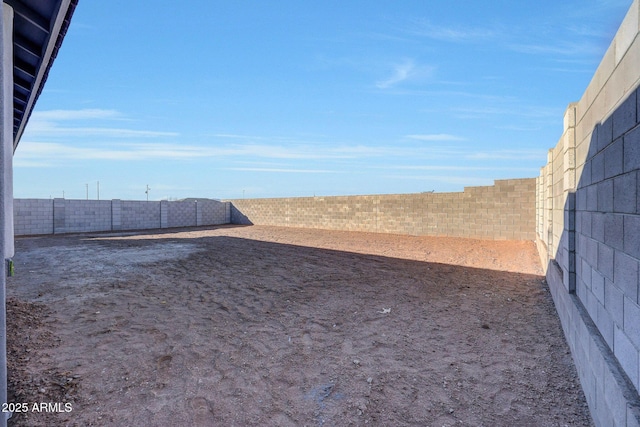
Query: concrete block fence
[
  {"x": 58, "y": 216},
  {"x": 505, "y": 210},
  {"x": 588, "y": 230},
  {"x": 583, "y": 211}
]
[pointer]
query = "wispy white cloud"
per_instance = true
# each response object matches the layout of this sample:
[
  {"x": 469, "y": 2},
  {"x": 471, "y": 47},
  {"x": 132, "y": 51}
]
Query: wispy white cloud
[
  {"x": 587, "y": 31},
  {"x": 48, "y": 123},
  {"x": 400, "y": 73},
  {"x": 519, "y": 128},
  {"x": 573, "y": 41},
  {"x": 436, "y": 137},
  {"x": 53, "y": 153},
  {"x": 237, "y": 136},
  {"x": 284, "y": 170},
  {"x": 19, "y": 162},
  {"x": 388, "y": 74},
  {"x": 458, "y": 34},
  {"x": 508, "y": 155},
  {"x": 354, "y": 151},
  {"x": 598, "y": 8},
  {"x": 450, "y": 168},
  {"x": 297, "y": 151},
  {"x": 388, "y": 37},
  {"x": 526, "y": 111},
  {"x": 569, "y": 70},
  {"x": 32, "y": 154},
  {"x": 40, "y": 130},
  {"x": 83, "y": 114},
  {"x": 405, "y": 71},
  {"x": 465, "y": 180},
  {"x": 564, "y": 49}
]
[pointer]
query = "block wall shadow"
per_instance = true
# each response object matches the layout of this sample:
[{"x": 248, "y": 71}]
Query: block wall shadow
[
  {"x": 261, "y": 316},
  {"x": 593, "y": 274},
  {"x": 237, "y": 217}
]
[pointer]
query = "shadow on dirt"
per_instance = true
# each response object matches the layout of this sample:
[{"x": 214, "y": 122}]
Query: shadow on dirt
[{"x": 271, "y": 333}]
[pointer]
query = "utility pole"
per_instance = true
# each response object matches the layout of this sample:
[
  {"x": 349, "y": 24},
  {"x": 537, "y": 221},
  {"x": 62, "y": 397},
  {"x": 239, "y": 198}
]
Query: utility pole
[
  {"x": 147, "y": 192},
  {"x": 98, "y": 190},
  {"x": 87, "y": 187}
]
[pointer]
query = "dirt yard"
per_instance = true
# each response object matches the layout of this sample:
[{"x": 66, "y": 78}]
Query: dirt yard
[{"x": 267, "y": 326}]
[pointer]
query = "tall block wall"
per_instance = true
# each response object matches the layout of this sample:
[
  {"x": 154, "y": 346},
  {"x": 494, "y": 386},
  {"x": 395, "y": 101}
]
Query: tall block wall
[
  {"x": 74, "y": 216},
  {"x": 33, "y": 216},
  {"x": 57, "y": 216},
  {"x": 588, "y": 230},
  {"x": 181, "y": 214},
  {"x": 137, "y": 215},
  {"x": 505, "y": 210},
  {"x": 210, "y": 212}
]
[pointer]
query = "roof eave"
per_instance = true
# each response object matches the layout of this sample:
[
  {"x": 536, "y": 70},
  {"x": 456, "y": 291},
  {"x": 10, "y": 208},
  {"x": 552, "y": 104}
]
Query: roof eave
[{"x": 54, "y": 41}]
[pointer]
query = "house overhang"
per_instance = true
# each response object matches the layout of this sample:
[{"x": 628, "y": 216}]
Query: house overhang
[{"x": 39, "y": 27}]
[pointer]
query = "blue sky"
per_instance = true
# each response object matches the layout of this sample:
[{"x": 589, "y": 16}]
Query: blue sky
[{"x": 232, "y": 99}]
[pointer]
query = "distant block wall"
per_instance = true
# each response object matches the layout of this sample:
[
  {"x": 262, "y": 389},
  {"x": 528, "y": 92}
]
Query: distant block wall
[
  {"x": 33, "y": 216},
  {"x": 57, "y": 216},
  {"x": 505, "y": 210},
  {"x": 138, "y": 215},
  {"x": 182, "y": 214},
  {"x": 74, "y": 216},
  {"x": 213, "y": 212},
  {"x": 588, "y": 228}
]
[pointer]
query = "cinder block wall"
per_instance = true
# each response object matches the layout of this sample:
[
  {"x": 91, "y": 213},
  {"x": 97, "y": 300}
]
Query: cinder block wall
[
  {"x": 138, "y": 215},
  {"x": 213, "y": 212},
  {"x": 57, "y": 216},
  {"x": 74, "y": 216},
  {"x": 588, "y": 228},
  {"x": 33, "y": 216},
  {"x": 181, "y": 214},
  {"x": 505, "y": 210}
]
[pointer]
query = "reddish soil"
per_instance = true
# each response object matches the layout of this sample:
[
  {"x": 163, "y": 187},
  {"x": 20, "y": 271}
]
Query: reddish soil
[{"x": 268, "y": 326}]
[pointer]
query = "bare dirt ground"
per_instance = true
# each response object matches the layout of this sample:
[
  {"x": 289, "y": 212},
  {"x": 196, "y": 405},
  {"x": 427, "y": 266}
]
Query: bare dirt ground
[{"x": 248, "y": 326}]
